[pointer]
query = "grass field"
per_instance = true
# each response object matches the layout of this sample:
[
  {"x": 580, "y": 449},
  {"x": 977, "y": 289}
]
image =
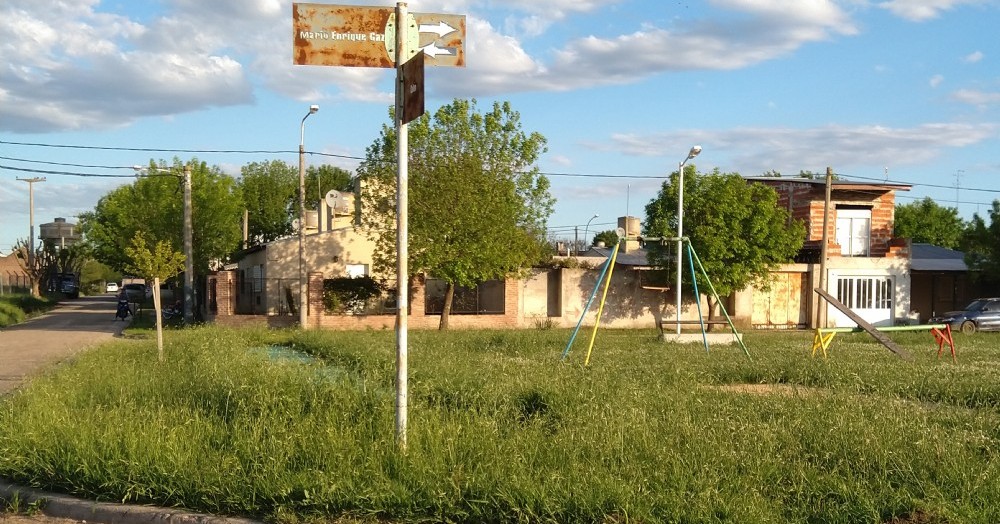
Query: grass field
[{"x": 501, "y": 430}]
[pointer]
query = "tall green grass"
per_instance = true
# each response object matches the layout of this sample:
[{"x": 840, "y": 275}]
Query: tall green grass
[
  {"x": 16, "y": 307},
  {"x": 501, "y": 430}
]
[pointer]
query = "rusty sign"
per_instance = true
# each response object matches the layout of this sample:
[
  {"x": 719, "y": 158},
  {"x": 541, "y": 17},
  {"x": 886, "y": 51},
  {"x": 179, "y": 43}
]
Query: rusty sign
[{"x": 358, "y": 36}]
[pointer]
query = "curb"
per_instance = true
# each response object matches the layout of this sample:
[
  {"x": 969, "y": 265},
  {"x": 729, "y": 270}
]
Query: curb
[{"x": 64, "y": 506}]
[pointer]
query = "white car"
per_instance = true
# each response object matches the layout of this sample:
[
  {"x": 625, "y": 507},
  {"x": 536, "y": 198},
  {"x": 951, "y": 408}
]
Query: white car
[{"x": 112, "y": 287}]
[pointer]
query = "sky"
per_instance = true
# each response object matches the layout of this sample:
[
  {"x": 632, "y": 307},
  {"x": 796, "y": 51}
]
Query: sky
[{"x": 905, "y": 91}]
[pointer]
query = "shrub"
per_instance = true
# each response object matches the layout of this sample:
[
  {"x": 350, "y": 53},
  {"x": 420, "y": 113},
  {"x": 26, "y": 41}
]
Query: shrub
[{"x": 349, "y": 295}]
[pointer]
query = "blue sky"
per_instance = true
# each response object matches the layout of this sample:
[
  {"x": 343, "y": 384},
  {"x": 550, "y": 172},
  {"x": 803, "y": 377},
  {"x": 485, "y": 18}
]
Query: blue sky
[{"x": 900, "y": 90}]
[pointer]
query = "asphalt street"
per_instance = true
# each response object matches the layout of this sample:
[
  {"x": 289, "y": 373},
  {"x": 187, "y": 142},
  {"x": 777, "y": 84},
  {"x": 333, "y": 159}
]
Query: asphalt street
[{"x": 73, "y": 326}]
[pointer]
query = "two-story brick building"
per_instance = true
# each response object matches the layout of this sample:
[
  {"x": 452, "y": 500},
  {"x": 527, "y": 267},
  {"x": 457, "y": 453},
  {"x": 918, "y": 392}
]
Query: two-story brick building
[{"x": 867, "y": 268}]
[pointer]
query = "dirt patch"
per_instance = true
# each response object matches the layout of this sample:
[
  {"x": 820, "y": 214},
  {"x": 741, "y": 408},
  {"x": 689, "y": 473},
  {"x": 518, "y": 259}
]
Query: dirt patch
[
  {"x": 38, "y": 518},
  {"x": 784, "y": 390}
]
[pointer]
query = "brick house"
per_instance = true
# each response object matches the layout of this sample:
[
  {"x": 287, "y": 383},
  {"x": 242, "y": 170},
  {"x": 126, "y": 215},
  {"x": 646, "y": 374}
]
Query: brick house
[{"x": 867, "y": 268}]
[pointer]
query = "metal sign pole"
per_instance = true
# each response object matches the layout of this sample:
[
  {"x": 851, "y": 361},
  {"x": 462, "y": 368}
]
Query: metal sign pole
[{"x": 402, "y": 230}]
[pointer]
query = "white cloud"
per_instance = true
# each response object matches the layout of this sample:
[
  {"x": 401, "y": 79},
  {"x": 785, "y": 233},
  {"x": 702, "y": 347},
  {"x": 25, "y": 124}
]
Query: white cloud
[
  {"x": 936, "y": 80},
  {"x": 973, "y": 57},
  {"x": 787, "y": 150},
  {"x": 921, "y": 10},
  {"x": 975, "y": 97},
  {"x": 756, "y": 32}
]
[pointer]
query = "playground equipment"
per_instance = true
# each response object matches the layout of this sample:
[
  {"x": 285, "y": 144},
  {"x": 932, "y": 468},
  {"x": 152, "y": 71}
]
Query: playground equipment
[{"x": 605, "y": 277}]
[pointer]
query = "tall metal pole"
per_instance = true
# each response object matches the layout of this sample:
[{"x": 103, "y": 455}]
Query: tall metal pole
[
  {"x": 303, "y": 290},
  {"x": 680, "y": 227},
  {"x": 31, "y": 218},
  {"x": 188, "y": 250},
  {"x": 402, "y": 232}
]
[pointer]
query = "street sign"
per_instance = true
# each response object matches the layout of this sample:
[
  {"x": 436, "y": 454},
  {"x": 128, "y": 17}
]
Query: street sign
[{"x": 359, "y": 36}]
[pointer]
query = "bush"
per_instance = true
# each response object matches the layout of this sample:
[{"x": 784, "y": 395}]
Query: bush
[
  {"x": 15, "y": 308},
  {"x": 349, "y": 295}
]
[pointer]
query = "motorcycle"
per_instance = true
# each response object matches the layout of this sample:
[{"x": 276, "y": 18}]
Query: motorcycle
[{"x": 123, "y": 309}]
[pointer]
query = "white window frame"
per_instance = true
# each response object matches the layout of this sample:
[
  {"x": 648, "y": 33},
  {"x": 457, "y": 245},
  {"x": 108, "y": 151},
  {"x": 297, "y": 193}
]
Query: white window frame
[{"x": 854, "y": 232}]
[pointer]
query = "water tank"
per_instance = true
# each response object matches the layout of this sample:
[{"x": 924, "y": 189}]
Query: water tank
[
  {"x": 59, "y": 232},
  {"x": 631, "y": 225}
]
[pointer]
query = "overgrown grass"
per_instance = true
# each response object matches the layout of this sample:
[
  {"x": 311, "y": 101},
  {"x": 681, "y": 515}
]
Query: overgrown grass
[
  {"x": 17, "y": 307},
  {"x": 500, "y": 430}
]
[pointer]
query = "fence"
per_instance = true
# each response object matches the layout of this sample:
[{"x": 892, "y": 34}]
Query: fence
[{"x": 14, "y": 283}]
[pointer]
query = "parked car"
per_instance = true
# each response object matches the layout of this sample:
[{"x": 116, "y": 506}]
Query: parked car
[
  {"x": 136, "y": 292},
  {"x": 112, "y": 287},
  {"x": 982, "y": 314}
]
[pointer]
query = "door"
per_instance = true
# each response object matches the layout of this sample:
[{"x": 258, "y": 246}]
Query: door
[{"x": 871, "y": 297}]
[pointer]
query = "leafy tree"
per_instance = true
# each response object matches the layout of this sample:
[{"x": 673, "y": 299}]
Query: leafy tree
[
  {"x": 926, "y": 221},
  {"x": 154, "y": 204},
  {"x": 609, "y": 237},
  {"x": 153, "y": 265},
  {"x": 477, "y": 204},
  {"x": 320, "y": 179},
  {"x": 736, "y": 227},
  {"x": 270, "y": 196},
  {"x": 981, "y": 244}
]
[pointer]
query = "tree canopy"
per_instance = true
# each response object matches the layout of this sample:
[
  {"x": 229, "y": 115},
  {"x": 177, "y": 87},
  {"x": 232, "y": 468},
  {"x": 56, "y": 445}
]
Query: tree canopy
[
  {"x": 321, "y": 179},
  {"x": 927, "y": 222},
  {"x": 981, "y": 245},
  {"x": 478, "y": 206},
  {"x": 154, "y": 204},
  {"x": 609, "y": 237},
  {"x": 270, "y": 195},
  {"x": 736, "y": 227}
]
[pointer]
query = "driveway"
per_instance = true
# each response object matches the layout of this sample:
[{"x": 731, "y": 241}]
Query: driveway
[{"x": 56, "y": 336}]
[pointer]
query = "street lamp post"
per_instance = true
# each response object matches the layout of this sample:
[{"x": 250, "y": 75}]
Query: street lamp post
[
  {"x": 303, "y": 294},
  {"x": 680, "y": 226},
  {"x": 587, "y": 228}
]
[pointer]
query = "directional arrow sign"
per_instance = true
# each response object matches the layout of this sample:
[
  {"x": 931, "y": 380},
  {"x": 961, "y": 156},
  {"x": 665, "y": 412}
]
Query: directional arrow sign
[{"x": 350, "y": 35}]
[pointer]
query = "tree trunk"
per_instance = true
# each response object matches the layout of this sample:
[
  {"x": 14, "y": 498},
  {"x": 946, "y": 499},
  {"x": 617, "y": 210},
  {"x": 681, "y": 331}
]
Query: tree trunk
[
  {"x": 711, "y": 311},
  {"x": 449, "y": 296}
]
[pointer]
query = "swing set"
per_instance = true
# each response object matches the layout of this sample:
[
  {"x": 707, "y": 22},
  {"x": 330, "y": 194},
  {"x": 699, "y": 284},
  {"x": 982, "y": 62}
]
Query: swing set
[{"x": 605, "y": 277}]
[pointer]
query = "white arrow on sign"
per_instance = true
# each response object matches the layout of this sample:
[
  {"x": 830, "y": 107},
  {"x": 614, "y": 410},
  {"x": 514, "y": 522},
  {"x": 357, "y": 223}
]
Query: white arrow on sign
[
  {"x": 440, "y": 29},
  {"x": 433, "y": 50}
]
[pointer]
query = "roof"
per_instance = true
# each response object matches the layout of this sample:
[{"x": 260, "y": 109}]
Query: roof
[
  {"x": 928, "y": 257},
  {"x": 9, "y": 266},
  {"x": 835, "y": 185}
]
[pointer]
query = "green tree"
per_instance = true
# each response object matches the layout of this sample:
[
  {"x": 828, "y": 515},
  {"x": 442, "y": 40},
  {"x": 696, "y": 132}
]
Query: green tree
[
  {"x": 737, "y": 229},
  {"x": 927, "y": 222},
  {"x": 154, "y": 204},
  {"x": 321, "y": 179},
  {"x": 981, "y": 244},
  {"x": 478, "y": 206},
  {"x": 270, "y": 195},
  {"x": 609, "y": 237},
  {"x": 154, "y": 264}
]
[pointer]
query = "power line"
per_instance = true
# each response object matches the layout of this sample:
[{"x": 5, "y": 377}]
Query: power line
[
  {"x": 62, "y": 163},
  {"x": 159, "y": 150},
  {"x": 68, "y": 173}
]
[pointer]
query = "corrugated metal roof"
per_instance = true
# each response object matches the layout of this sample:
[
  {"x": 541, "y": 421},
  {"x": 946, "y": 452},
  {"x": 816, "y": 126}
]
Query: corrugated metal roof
[{"x": 927, "y": 257}]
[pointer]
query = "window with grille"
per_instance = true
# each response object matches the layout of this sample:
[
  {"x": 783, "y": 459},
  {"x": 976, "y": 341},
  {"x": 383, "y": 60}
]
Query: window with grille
[{"x": 865, "y": 292}]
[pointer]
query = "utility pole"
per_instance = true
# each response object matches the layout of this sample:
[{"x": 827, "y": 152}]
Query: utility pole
[
  {"x": 31, "y": 221},
  {"x": 188, "y": 250},
  {"x": 821, "y": 305}
]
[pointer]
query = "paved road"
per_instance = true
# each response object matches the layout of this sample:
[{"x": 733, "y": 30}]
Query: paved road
[{"x": 73, "y": 326}]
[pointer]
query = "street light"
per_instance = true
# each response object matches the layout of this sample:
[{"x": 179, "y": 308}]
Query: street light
[
  {"x": 587, "y": 227},
  {"x": 303, "y": 294},
  {"x": 680, "y": 226}
]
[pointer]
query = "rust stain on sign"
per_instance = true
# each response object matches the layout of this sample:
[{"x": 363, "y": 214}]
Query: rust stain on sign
[{"x": 340, "y": 35}]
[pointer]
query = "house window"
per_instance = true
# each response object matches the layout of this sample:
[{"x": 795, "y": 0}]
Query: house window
[
  {"x": 357, "y": 270},
  {"x": 865, "y": 292},
  {"x": 854, "y": 229}
]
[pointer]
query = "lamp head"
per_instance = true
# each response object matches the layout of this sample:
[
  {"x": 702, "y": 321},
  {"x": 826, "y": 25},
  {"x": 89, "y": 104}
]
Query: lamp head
[
  {"x": 313, "y": 108},
  {"x": 694, "y": 152}
]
